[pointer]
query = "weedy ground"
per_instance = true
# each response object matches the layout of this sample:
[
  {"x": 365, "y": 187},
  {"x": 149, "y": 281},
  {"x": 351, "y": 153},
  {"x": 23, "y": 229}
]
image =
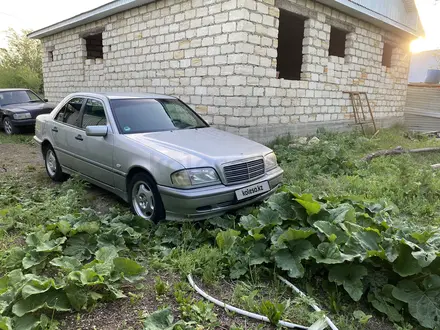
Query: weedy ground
[{"x": 329, "y": 166}]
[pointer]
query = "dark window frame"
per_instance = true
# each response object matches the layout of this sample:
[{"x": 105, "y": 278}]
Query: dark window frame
[
  {"x": 287, "y": 68},
  {"x": 387, "y": 54},
  {"x": 94, "y": 45},
  {"x": 338, "y": 41}
]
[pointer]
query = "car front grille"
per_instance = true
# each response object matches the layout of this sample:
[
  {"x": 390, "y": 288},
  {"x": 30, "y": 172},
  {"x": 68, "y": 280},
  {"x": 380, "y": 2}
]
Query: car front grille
[{"x": 243, "y": 172}]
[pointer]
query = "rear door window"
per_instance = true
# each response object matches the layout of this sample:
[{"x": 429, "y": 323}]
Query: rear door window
[
  {"x": 94, "y": 114},
  {"x": 70, "y": 112}
]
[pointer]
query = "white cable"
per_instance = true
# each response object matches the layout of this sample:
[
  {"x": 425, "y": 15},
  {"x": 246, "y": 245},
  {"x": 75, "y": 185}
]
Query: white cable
[
  {"x": 316, "y": 308},
  {"x": 240, "y": 311}
]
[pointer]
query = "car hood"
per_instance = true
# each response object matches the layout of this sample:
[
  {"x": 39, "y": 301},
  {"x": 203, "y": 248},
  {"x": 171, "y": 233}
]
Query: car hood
[
  {"x": 201, "y": 147},
  {"x": 29, "y": 107}
]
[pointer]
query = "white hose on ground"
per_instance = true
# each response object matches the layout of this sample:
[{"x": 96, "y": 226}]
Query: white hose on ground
[
  {"x": 240, "y": 311},
  {"x": 316, "y": 308}
]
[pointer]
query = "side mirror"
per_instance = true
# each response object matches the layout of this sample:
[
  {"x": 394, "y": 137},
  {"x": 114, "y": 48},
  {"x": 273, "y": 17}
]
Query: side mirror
[
  {"x": 46, "y": 100},
  {"x": 96, "y": 131}
]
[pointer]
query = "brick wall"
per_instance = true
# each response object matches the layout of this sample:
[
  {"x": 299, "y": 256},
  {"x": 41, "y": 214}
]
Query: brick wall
[{"x": 220, "y": 57}]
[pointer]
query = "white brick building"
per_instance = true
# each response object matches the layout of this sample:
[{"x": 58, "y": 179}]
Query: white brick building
[{"x": 260, "y": 68}]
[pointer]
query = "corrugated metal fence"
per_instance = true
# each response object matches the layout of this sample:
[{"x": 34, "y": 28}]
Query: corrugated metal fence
[{"x": 422, "y": 110}]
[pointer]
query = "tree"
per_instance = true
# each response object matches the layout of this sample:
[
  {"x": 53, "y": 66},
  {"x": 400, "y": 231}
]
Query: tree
[{"x": 21, "y": 63}]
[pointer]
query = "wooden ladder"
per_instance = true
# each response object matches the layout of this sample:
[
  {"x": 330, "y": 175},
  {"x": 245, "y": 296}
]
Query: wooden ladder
[{"x": 361, "y": 115}]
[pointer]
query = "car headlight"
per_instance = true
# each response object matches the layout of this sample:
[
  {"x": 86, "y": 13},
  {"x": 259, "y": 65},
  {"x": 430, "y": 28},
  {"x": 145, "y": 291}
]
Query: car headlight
[
  {"x": 23, "y": 115},
  {"x": 270, "y": 161},
  {"x": 194, "y": 177}
]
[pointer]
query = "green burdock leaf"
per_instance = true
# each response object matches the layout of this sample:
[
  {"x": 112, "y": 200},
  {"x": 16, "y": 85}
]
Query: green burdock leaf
[
  {"x": 36, "y": 285},
  {"x": 293, "y": 234},
  {"x": 66, "y": 263},
  {"x": 344, "y": 212},
  {"x": 115, "y": 292},
  {"x": 333, "y": 232},
  {"x": 64, "y": 227},
  {"x": 160, "y": 320},
  {"x": 423, "y": 304},
  {"x": 406, "y": 265},
  {"x": 307, "y": 201},
  {"x": 77, "y": 296},
  {"x": 89, "y": 227},
  {"x": 226, "y": 239},
  {"x": 249, "y": 222},
  {"x": 127, "y": 267},
  {"x": 364, "y": 243},
  {"x": 35, "y": 238},
  {"x": 423, "y": 237},
  {"x": 425, "y": 257},
  {"x": 50, "y": 246},
  {"x": 80, "y": 246},
  {"x": 391, "y": 248},
  {"x": 106, "y": 254},
  {"x": 34, "y": 258},
  {"x": 86, "y": 277},
  {"x": 258, "y": 254},
  {"x": 384, "y": 302},
  {"x": 282, "y": 203},
  {"x": 290, "y": 260},
  {"x": 4, "y": 281},
  {"x": 15, "y": 277},
  {"x": 238, "y": 270},
  {"x": 349, "y": 276},
  {"x": 26, "y": 322},
  {"x": 268, "y": 217},
  {"x": 14, "y": 258},
  {"x": 328, "y": 253},
  {"x": 52, "y": 299},
  {"x": 5, "y": 323}
]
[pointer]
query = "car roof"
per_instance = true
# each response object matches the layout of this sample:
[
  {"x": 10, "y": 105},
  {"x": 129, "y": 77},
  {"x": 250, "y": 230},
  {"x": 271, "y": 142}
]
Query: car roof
[
  {"x": 119, "y": 96},
  {"x": 13, "y": 89}
]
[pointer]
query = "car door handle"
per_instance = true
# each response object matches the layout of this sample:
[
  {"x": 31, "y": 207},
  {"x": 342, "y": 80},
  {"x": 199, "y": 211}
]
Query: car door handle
[
  {"x": 79, "y": 137},
  {"x": 54, "y": 129}
]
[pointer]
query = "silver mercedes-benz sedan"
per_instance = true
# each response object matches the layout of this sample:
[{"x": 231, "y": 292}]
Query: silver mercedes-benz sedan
[{"x": 156, "y": 154}]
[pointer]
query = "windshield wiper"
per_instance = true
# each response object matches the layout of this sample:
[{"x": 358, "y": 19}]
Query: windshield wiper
[
  {"x": 194, "y": 127},
  {"x": 33, "y": 101}
]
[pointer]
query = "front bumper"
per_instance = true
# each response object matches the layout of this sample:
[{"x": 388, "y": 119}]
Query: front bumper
[
  {"x": 23, "y": 122},
  {"x": 208, "y": 202}
]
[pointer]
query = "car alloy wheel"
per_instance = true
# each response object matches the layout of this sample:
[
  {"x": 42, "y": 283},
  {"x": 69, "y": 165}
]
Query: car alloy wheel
[
  {"x": 51, "y": 163},
  {"x": 53, "y": 167},
  {"x": 143, "y": 200},
  {"x": 8, "y": 127}
]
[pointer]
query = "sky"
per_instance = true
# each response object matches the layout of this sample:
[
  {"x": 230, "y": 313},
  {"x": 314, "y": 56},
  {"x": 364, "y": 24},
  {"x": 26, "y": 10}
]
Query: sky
[
  {"x": 35, "y": 14},
  {"x": 429, "y": 11}
]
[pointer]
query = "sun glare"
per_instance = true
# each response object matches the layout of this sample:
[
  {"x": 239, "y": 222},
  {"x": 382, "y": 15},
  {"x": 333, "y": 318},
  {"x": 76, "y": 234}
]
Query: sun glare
[{"x": 429, "y": 12}]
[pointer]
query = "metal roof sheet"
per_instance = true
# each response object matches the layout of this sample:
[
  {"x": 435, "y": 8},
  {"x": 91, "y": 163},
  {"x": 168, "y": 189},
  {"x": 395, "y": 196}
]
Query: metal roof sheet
[
  {"x": 101, "y": 12},
  {"x": 118, "y": 6}
]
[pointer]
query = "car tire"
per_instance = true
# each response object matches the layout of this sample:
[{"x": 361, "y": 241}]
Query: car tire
[
  {"x": 52, "y": 165},
  {"x": 9, "y": 127},
  {"x": 144, "y": 198}
]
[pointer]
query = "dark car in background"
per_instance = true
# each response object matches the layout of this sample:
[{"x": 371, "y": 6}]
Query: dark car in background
[{"x": 19, "y": 108}]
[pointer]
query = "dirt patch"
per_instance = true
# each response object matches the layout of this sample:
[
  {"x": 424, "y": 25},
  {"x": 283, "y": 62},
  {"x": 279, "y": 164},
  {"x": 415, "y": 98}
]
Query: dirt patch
[
  {"x": 19, "y": 158},
  {"x": 126, "y": 314}
]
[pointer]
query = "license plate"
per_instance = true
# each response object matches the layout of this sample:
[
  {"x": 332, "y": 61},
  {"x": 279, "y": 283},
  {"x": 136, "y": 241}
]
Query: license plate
[{"x": 253, "y": 190}]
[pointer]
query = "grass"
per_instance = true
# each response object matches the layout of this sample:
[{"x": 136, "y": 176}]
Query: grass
[
  {"x": 18, "y": 138},
  {"x": 333, "y": 166}
]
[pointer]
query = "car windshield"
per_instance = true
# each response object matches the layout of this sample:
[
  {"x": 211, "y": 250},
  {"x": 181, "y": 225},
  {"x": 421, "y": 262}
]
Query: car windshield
[
  {"x": 154, "y": 115},
  {"x": 16, "y": 97}
]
